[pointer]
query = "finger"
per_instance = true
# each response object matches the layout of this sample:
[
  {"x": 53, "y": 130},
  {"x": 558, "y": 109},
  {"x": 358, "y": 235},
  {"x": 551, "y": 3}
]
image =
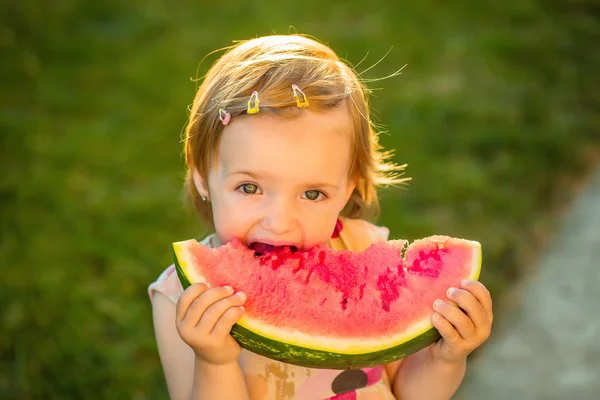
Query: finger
[
  {"x": 448, "y": 332},
  {"x": 215, "y": 312},
  {"x": 215, "y": 305},
  {"x": 469, "y": 303},
  {"x": 461, "y": 322},
  {"x": 481, "y": 293},
  {"x": 199, "y": 306},
  {"x": 223, "y": 326},
  {"x": 187, "y": 298}
]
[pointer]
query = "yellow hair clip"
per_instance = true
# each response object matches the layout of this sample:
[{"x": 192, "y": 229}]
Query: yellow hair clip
[
  {"x": 253, "y": 109},
  {"x": 300, "y": 103}
]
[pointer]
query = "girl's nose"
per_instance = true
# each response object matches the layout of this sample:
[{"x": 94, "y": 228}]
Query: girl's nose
[{"x": 279, "y": 217}]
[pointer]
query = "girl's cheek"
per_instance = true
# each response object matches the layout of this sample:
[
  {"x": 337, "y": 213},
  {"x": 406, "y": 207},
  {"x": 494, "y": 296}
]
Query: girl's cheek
[{"x": 319, "y": 227}]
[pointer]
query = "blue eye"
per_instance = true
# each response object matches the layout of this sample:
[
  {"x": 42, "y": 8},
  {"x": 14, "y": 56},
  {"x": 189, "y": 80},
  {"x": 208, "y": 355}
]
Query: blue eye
[
  {"x": 313, "y": 195},
  {"x": 249, "y": 188}
]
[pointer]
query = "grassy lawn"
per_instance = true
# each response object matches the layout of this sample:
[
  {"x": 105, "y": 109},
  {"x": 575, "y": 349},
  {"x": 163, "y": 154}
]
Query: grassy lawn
[{"x": 496, "y": 114}]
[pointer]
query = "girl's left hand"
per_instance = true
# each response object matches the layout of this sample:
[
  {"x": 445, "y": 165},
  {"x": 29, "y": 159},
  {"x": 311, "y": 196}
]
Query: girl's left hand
[{"x": 462, "y": 331}]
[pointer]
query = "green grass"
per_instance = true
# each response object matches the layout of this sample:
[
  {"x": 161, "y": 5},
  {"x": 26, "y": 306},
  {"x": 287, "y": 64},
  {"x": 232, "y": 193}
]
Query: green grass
[{"x": 495, "y": 113}]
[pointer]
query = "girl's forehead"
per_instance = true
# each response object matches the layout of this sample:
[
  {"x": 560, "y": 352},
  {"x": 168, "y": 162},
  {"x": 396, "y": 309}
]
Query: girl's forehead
[
  {"x": 311, "y": 142},
  {"x": 335, "y": 120}
]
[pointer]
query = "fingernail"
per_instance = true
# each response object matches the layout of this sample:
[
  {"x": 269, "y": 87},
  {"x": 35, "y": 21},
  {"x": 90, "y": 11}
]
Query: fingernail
[
  {"x": 229, "y": 289},
  {"x": 464, "y": 282},
  {"x": 207, "y": 284},
  {"x": 450, "y": 292},
  {"x": 437, "y": 303},
  {"x": 241, "y": 295}
]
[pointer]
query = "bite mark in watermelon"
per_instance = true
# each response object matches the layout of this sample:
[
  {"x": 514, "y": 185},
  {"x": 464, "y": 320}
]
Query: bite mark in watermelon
[{"x": 335, "y": 309}]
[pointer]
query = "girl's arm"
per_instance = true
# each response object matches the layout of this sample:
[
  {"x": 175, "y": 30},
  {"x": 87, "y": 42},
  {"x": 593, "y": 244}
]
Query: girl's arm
[
  {"x": 224, "y": 381},
  {"x": 437, "y": 371},
  {"x": 422, "y": 377},
  {"x": 177, "y": 358},
  {"x": 187, "y": 376}
]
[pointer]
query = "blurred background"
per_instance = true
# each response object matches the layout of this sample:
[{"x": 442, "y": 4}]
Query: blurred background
[{"x": 496, "y": 114}]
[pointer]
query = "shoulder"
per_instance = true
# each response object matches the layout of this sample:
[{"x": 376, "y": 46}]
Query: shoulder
[
  {"x": 168, "y": 283},
  {"x": 358, "y": 234},
  {"x": 366, "y": 228}
]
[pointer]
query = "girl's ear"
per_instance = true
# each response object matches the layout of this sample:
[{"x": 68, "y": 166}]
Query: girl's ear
[{"x": 201, "y": 187}]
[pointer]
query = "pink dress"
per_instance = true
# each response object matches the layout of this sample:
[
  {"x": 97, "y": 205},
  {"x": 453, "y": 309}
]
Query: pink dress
[{"x": 268, "y": 379}]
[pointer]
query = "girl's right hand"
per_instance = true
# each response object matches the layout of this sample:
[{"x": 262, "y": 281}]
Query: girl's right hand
[{"x": 204, "y": 320}]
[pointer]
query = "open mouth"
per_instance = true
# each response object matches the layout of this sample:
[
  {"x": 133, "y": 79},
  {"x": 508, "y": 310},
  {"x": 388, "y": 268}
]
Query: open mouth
[{"x": 262, "y": 248}]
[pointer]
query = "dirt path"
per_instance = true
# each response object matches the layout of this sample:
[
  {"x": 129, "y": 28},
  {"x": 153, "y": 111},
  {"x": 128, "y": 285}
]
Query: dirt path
[{"x": 548, "y": 346}]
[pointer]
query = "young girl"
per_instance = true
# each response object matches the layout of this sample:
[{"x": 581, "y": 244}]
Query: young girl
[{"x": 281, "y": 151}]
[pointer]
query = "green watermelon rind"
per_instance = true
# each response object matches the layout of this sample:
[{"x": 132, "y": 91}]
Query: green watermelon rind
[{"x": 314, "y": 358}]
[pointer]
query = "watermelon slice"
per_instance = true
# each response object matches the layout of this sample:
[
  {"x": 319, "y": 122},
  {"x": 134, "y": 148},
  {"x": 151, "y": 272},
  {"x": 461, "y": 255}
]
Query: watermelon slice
[{"x": 335, "y": 309}]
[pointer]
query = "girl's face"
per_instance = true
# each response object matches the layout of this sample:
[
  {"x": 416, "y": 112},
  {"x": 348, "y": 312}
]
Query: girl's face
[{"x": 281, "y": 182}]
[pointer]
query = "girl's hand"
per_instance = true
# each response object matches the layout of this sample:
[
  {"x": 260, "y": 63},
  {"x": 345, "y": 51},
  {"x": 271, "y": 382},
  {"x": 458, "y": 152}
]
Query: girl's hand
[
  {"x": 204, "y": 320},
  {"x": 462, "y": 331}
]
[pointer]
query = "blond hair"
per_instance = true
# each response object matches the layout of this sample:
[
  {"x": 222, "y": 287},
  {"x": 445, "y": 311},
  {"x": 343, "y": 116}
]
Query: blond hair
[{"x": 270, "y": 65}]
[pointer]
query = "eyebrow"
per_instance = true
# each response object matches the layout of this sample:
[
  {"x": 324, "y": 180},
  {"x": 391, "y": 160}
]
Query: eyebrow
[
  {"x": 257, "y": 176},
  {"x": 249, "y": 173}
]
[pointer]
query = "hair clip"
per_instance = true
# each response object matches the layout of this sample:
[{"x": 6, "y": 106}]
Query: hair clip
[
  {"x": 300, "y": 103},
  {"x": 253, "y": 109},
  {"x": 224, "y": 116}
]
